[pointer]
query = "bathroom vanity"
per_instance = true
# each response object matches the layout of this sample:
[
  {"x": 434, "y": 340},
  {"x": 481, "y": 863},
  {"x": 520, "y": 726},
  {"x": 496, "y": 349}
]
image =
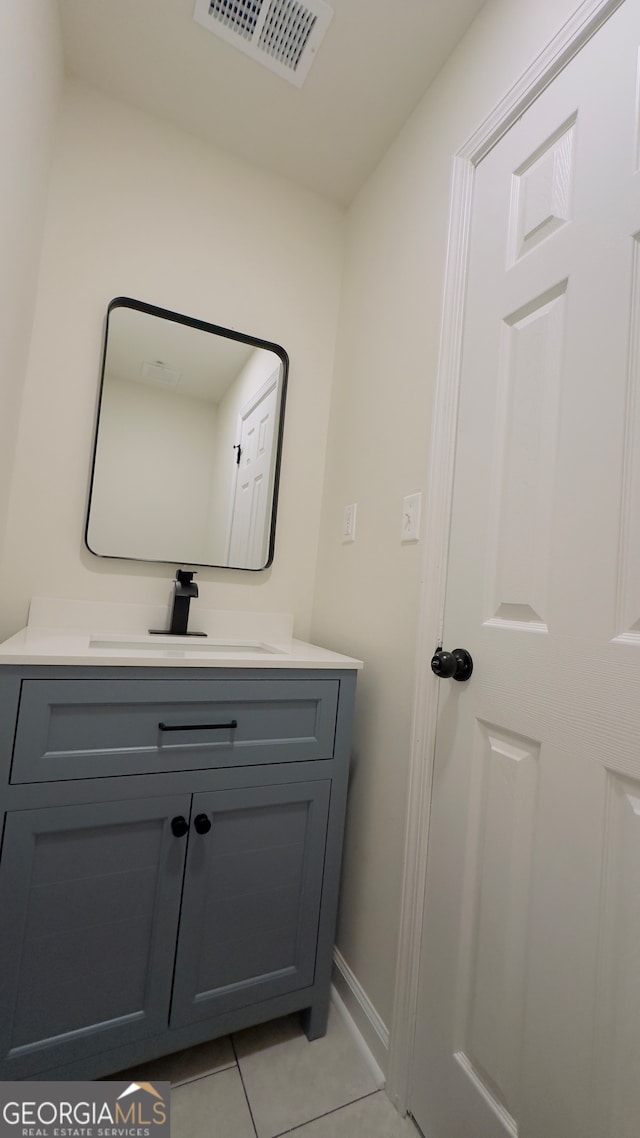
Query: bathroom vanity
[{"x": 172, "y": 831}]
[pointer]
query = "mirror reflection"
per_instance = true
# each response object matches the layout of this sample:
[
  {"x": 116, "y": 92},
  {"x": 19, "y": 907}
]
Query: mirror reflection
[{"x": 188, "y": 440}]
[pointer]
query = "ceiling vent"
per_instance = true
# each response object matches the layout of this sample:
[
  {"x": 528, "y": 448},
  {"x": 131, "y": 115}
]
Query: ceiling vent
[
  {"x": 283, "y": 35},
  {"x": 158, "y": 373}
]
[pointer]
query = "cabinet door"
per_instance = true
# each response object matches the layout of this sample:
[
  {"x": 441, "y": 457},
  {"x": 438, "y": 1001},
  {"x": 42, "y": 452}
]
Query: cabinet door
[
  {"x": 89, "y": 897},
  {"x": 251, "y": 900}
]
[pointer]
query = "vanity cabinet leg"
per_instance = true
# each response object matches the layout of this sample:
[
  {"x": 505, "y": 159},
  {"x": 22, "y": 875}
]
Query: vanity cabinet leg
[{"x": 314, "y": 1018}]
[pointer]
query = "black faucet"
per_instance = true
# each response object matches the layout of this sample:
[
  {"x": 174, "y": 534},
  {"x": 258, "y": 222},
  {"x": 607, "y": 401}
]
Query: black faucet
[{"x": 184, "y": 589}]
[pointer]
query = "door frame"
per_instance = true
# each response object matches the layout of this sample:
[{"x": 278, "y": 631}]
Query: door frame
[{"x": 571, "y": 38}]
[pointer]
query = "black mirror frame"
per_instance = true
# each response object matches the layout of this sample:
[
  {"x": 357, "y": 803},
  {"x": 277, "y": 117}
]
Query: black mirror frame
[{"x": 229, "y": 334}]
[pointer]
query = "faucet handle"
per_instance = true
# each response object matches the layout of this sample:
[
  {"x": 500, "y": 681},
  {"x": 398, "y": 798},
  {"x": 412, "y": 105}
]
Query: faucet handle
[
  {"x": 185, "y": 576},
  {"x": 184, "y": 585},
  {"x": 184, "y": 579}
]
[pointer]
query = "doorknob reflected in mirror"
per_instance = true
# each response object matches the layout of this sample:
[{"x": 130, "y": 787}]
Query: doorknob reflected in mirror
[{"x": 456, "y": 665}]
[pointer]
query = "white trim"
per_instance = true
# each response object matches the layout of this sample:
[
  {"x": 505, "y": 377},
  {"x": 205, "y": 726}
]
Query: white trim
[
  {"x": 438, "y": 508},
  {"x": 571, "y": 38},
  {"x": 370, "y": 1030},
  {"x": 588, "y": 18},
  {"x": 506, "y": 1121}
]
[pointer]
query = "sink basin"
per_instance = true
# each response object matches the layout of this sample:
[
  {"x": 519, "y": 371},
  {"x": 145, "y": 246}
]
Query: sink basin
[{"x": 182, "y": 645}]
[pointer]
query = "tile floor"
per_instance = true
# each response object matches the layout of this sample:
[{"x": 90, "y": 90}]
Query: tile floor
[{"x": 269, "y": 1080}]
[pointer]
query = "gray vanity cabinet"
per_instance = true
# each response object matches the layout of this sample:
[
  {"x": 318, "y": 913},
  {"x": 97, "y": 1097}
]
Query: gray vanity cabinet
[{"x": 195, "y": 895}]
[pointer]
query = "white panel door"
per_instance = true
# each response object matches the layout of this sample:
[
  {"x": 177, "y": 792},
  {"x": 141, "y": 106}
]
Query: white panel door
[
  {"x": 251, "y": 510},
  {"x": 529, "y": 1006}
]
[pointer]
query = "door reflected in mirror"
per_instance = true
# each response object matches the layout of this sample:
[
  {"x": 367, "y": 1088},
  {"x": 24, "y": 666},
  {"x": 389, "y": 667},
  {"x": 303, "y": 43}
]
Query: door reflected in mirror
[{"x": 188, "y": 441}]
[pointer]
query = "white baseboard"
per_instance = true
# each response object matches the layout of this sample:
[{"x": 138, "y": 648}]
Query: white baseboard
[{"x": 368, "y": 1029}]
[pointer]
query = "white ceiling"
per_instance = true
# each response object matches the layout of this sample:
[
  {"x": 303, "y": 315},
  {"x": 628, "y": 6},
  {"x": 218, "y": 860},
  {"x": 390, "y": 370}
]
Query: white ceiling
[
  {"x": 376, "y": 61},
  {"x": 207, "y": 364}
]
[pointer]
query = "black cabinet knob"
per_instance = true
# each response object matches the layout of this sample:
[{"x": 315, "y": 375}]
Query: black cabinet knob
[
  {"x": 456, "y": 665},
  {"x": 179, "y": 826},
  {"x": 202, "y": 823}
]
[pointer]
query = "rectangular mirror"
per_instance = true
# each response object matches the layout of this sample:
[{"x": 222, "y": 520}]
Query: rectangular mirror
[{"x": 188, "y": 441}]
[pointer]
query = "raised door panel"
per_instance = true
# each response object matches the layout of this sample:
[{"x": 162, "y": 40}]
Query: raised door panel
[
  {"x": 252, "y": 895},
  {"x": 90, "y": 898}
]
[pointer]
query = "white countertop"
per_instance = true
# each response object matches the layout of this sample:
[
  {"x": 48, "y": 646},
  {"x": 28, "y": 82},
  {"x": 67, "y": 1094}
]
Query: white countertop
[{"x": 81, "y": 632}]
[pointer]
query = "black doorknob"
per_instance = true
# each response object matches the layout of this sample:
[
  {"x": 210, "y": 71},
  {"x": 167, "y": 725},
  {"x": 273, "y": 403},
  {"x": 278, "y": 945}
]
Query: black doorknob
[
  {"x": 179, "y": 826},
  {"x": 202, "y": 823},
  {"x": 456, "y": 665}
]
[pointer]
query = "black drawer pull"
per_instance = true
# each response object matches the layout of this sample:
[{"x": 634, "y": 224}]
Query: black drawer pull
[
  {"x": 198, "y": 726},
  {"x": 179, "y": 826}
]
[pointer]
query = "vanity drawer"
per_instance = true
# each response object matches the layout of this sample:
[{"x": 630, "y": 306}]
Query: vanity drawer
[{"x": 70, "y": 729}]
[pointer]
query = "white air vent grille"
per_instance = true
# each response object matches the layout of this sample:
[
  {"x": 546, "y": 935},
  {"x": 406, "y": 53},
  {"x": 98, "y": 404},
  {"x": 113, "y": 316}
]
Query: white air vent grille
[
  {"x": 158, "y": 373},
  {"x": 285, "y": 32},
  {"x": 283, "y": 35},
  {"x": 240, "y": 16}
]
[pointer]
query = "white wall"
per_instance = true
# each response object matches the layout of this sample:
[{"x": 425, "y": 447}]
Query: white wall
[
  {"x": 367, "y": 594},
  {"x": 139, "y": 209},
  {"x": 30, "y": 80},
  {"x": 152, "y": 473}
]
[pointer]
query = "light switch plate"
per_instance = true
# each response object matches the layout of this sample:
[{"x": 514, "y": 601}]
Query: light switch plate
[
  {"x": 349, "y": 523},
  {"x": 411, "y": 508}
]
